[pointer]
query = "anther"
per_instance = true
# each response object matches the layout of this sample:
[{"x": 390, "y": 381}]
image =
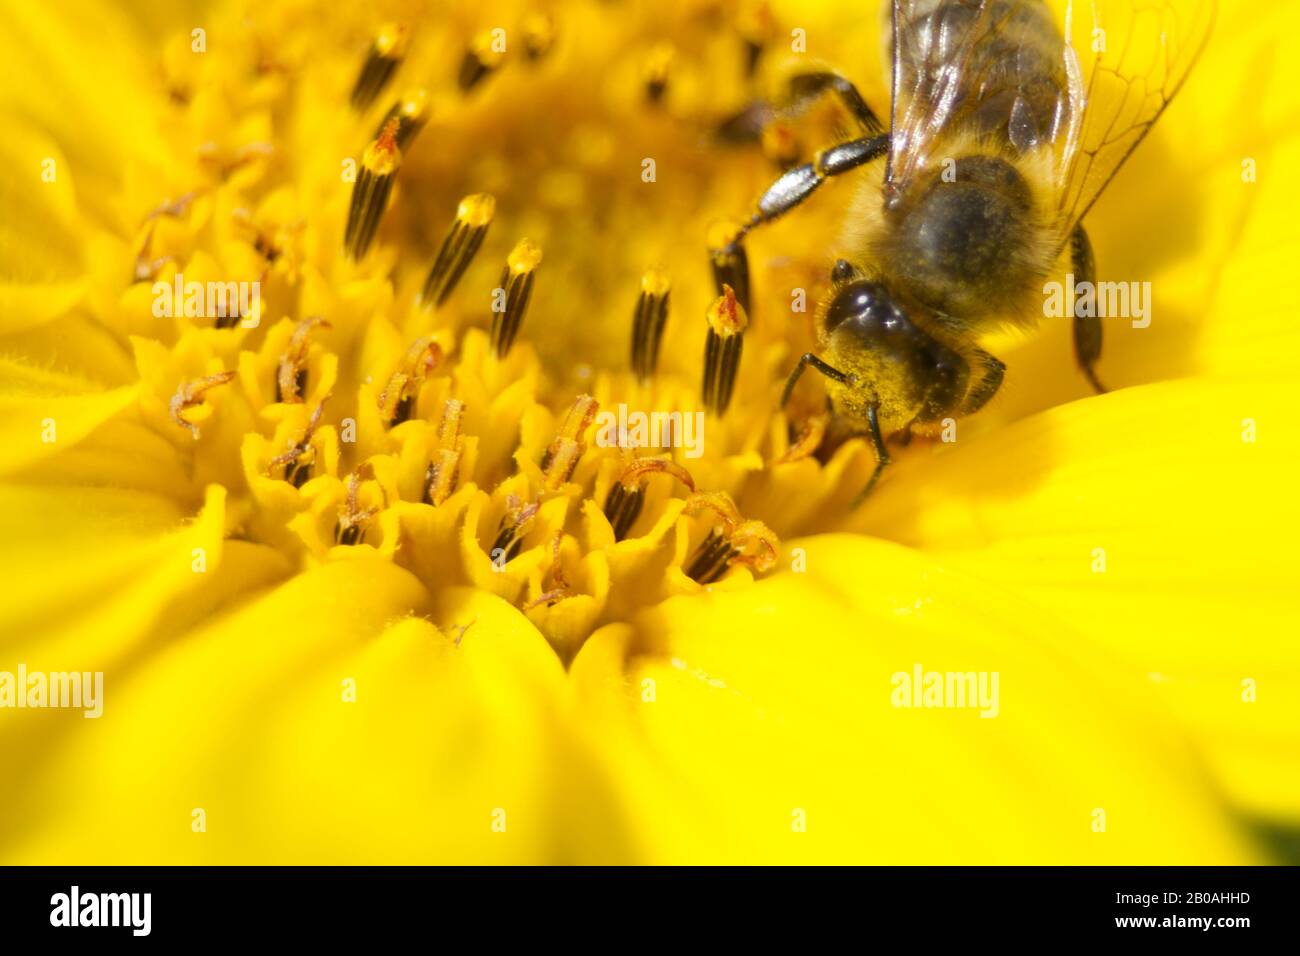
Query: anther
[
  {"x": 381, "y": 63},
  {"x": 482, "y": 57},
  {"x": 291, "y": 375},
  {"x": 444, "y": 468},
  {"x": 722, "y": 349},
  {"x": 513, "y": 528},
  {"x": 625, "y": 499},
  {"x": 648, "y": 324},
  {"x": 516, "y": 288},
  {"x": 729, "y": 259},
  {"x": 806, "y": 441},
  {"x": 411, "y": 113},
  {"x": 374, "y": 182},
  {"x": 656, "y": 70},
  {"x": 468, "y": 229},
  {"x": 352, "y": 519},
  {"x": 297, "y": 471},
  {"x": 732, "y": 541},
  {"x": 539, "y": 35},
  {"x": 397, "y": 400},
  {"x": 190, "y": 394},
  {"x": 756, "y": 29},
  {"x": 561, "y": 587},
  {"x": 562, "y": 454}
]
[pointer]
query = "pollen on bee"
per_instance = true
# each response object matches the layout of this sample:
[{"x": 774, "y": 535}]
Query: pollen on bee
[
  {"x": 514, "y": 291},
  {"x": 385, "y": 55},
  {"x": 648, "y": 323},
  {"x": 461, "y": 244},
  {"x": 379, "y": 166},
  {"x": 723, "y": 346}
]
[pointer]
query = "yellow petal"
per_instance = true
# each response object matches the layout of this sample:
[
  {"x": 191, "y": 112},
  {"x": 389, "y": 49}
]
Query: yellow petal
[
  {"x": 458, "y": 746},
  {"x": 1160, "y": 523},
  {"x": 760, "y": 725}
]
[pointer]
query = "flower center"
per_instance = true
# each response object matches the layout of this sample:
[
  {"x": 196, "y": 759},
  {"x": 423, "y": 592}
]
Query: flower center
[{"x": 452, "y": 399}]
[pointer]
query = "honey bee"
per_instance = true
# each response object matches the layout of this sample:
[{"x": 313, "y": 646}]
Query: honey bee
[{"x": 999, "y": 143}]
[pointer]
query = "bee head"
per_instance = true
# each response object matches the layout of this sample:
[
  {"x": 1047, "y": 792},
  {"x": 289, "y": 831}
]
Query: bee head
[
  {"x": 866, "y": 309},
  {"x": 871, "y": 333}
]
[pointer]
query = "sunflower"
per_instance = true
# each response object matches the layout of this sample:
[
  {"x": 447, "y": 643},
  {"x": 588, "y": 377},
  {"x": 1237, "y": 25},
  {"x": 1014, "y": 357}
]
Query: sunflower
[{"x": 374, "y": 573}]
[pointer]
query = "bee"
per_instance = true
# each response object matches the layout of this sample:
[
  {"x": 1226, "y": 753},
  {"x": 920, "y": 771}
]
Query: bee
[{"x": 999, "y": 144}]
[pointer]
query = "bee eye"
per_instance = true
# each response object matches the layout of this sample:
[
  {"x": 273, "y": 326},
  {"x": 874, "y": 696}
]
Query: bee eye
[
  {"x": 857, "y": 300},
  {"x": 841, "y": 272}
]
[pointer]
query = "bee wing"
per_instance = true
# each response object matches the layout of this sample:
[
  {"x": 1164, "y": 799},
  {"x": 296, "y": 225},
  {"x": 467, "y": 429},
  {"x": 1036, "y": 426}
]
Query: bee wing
[
  {"x": 947, "y": 55},
  {"x": 1127, "y": 60}
]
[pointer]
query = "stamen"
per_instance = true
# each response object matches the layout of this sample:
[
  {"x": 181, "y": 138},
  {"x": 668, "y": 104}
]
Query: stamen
[
  {"x": 734, "y": 541},
  {"x": 226, "y": 162},
  {"x": 385, "y": 55},
  {"x": 729, "y": 259},
  {"x": 468, "y": 229},
  {"x": 780, "y": 144},
  {"x": 648, "y": 324},
  {"x": 517, "y": 287},
  {"x": 757, "y": 28},
  {"x": 624, "y": 502},
  {"x": 657, "y": 67},
  {"x": 398, "y": 397},
  {"x": 411, "y": 113},
  {"x": 480, "y": 59},
  {"x": 513, "y": 528},
  {"x": 562, "y": 588},
  {"x": 146, "y": 268},
  {"x": 711, "y": 558},
  {"x": 722, "y": 349},
  {"x": 190, "y": 394},
  {"x": 539, "y": 35},
  {"x": 810, "y": 436},
  {"x": 296, "y": 471},
  {"x": 291, "y": 377},
  {"x": 444, "y": 469},
  {"x": 370, "y": 193},
  {"x": 352, "y": 520},
  {"x": 562, "y": 454}
]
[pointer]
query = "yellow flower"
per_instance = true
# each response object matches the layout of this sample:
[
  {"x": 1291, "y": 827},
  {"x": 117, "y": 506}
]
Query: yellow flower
[{"x": 366, "y": 582}]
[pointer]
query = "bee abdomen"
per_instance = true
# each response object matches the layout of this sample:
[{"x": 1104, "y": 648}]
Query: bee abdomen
[{"x": 962, "y": 246}]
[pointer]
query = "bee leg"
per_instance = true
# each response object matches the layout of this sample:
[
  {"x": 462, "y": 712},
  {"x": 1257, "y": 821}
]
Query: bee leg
[
  {"x": 805, "y": 88},
  {"x": 728, "y": 256},
  {"x": 882, "y": 454},
  {"x": 988, "y": 384},
  {"x": 795, "y": 185},
  {"x": 1087, "y": 329},
  {"x": 806, "y": 360}
]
